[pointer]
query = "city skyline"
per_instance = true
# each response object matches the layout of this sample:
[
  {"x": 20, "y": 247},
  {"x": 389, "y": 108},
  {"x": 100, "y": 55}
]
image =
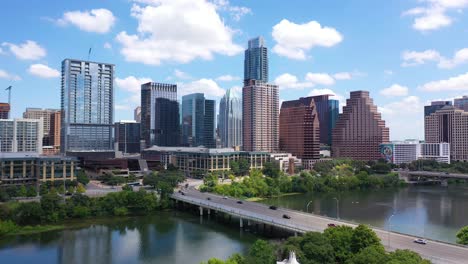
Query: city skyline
[{"x": 402, "y": 76}]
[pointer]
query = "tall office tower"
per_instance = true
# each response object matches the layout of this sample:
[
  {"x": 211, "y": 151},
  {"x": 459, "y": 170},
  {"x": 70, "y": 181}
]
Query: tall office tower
[
  {"x": 198, "y": 121},
  {"x": 256, "y": 61},
  {"x": 46, "y": 114},
  {"x": 334, "y": 114},
  {"x": 87, "y": 106},
  {"x": 137, "y": 114},
  {"x": 54, "y": 132},
  {"x": 436, "y": 105},
  {"x": 323, "y": 110},
  {"x": 449, "y": 125},
  {"x": 461, "y": 103},
  {"x": 260, "y": 124},
  {"x": 360, "y": 129},
  {"x": 21, "y": 135},
  {"x": 230, "y": 120},
  {"x": 4, "y": 110},
  {"x": 159, "y": 114},
  {"x": 127, "y": 136},
  {"x": 299, "y": 130}
]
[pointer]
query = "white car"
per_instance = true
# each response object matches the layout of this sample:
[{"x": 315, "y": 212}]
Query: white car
[{"x": 420, "y": 241}]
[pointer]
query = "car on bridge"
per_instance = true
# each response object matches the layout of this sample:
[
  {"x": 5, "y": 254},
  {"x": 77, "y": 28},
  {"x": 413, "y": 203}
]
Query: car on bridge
[
  {"x": 285, "y": 216},
  {"x": 420, "y": 241},
  {"x": 272, "y": 207},
  {"x": 331, "y": 225},
  {"x": 240, "y": 202}
]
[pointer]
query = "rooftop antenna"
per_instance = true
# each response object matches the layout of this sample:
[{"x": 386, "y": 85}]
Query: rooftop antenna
[{"x": 9, "y": 98}]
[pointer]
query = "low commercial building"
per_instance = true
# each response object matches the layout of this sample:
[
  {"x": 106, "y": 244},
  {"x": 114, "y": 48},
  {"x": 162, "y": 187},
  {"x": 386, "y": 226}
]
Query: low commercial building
[
  {"x": 287, "y": 162},
  {"x": 203, "y": 160},
  {"x": 26, "y": 168},
  {"x": 408, "y": 151}
]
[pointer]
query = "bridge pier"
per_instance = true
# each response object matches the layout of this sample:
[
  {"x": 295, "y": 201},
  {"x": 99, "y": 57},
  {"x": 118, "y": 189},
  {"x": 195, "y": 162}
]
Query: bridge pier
[
  {"x": 201, "y": 211},
  {"x": 444, "y": 183},
  {"x": 208, "y": 211},
  {"x": 241, "y": 223}
]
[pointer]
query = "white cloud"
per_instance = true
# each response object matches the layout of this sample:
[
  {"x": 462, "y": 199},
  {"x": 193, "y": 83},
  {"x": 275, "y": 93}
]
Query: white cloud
[
  {"x": 435, "y": 14},
  {"x": 207, "y": 86},
  {"x": 413, "y": 58},
  {"x": 457, "y": 83},
  {"x": 343, "y": 76},
  {"x": 132, "y": 84},
  {"x": 388, "y": 72},
  {"x": 394, "y": 91},
  {"x": 181, "y": 75},
  {"x": 294, "y": 40},
  {"x": 333, "y": 94},
  {"x": 237, "y": 12},
  {"x": 43, "y": 71},
  {"x": 320, "y": 78},
  {"x": 398, "y": 114},
  {"x": 177, "y": 31},
  {"x": 1, "y": 51},
  {"x": 228, "y": 78},
  {"x": 9, "y": 76},
  {"x": 107, "y": 45},
  {"x": 289, "y": 81},
  {"x": 29, "y": 50},
  {"x": 96, "y": 20}
]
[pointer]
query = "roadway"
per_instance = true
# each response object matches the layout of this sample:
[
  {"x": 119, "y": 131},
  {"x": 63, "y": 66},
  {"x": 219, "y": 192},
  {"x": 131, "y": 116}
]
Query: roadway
[
  {"x": 437, "y": 252},
  {"x": 436, "y": 174}
]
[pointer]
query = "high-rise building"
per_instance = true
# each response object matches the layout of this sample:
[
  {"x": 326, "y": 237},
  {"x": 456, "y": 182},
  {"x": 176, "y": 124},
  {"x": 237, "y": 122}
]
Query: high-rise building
[
  {"x": 325, "y": 115},
  {"x": 87, "y": 105},
  {"x": 256, "y": 60},
  {"x": 54, "y": 132},
  {"x": 260, "y": 116},
  {"x": 334, "y": 112},
  {"x": 127, "y": 136},
  {"x": 461, "y": 103},
  {"x": 46, "y": 115},
  {"x": 198, "y": 121},
  {"x": 137, "y": 114},
  {"x": 299, "y": 130},
  {"x": 360, "y": 129},
  {"x": 159, "y": 115},
  {"x": 409, "y": 151},
  {"x": 436, "y": 105},
  {"x": 449, "y": 125},
  {"x": 21, "y": 135},
  {"x": 4, "y": 110},
  {"x": 230, "y": 119}
]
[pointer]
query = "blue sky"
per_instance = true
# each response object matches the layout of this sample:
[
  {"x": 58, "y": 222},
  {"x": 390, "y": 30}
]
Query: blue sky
[{"x": 405, "y": 52}]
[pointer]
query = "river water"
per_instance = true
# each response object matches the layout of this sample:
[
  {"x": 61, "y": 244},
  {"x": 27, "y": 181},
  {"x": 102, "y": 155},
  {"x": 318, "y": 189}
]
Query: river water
[
  {"x": 428, "y": 211},
  {"x": 184, "y": 238}
]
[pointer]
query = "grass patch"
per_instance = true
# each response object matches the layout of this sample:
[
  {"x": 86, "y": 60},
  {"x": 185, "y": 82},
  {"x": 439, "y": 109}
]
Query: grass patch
[{"x": 258, "y": 199}]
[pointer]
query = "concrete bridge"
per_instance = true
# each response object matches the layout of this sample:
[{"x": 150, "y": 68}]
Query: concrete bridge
[
  {"x": 430, "y": 176},
  {"x": 249, "y": 213}
]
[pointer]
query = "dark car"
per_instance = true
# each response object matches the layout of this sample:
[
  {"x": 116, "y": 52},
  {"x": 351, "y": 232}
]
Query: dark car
[
  {"x": 181, "y": 192},
  {"x": 331, "y": 225},
  {"x": 208, "y": 198},
  {"x": 240, "y": 202},
  {"x": 272, "y": 207},
  {"x": 286, "y": 216}
]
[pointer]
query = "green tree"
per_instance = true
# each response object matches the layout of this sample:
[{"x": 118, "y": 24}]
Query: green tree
[
  {"x": 151, "y": 180},
  {"x": 340, "y": 238},
  {"x": 82, "y": 177},
  {"x": 316, "y": 249},
  {"x": 22, "y": 192},
  {"x": 71, "y": 190},
  {"x": 31, "y": 192},
  {"x": 28, "y": 213},
  {"x": 462, "y": 236},
  {"x": 244, "y": 167},
  {"x": 80, "y": 188},
  {"x": 7, "y": 227},
  {"x": 271, "y": 169},
  {"x": 127, "y": 188},
  {"x": 363, "y": 237},
  {"x": 374, "y": 254},
  {"x": 120, "y": 211},
  {"x": 50, "y": 204},
  {"x": 81, "y": 212},
  {"x": 261, "y": 252},
  {"x": 235, "y": 168},
  {"x": 406, "y": 257}
]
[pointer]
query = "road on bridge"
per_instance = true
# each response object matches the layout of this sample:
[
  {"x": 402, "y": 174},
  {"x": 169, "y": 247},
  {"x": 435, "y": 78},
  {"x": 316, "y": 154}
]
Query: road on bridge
[{"x": 437, "y": 252}]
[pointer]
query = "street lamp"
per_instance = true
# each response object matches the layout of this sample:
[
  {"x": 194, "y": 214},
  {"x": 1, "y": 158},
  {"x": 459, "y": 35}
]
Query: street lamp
[
  {"x": 307, "y": 207},
  {"x": 389, "y": 229},
  {"x": 337, "y": 208}
]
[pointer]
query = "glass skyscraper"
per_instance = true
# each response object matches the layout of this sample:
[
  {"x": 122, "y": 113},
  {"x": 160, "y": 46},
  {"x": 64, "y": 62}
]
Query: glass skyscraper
[
  {"x": 87, "y": 105},
  {"x": 230, "y": 119},
  {"x": 160, "y": 114},
  {"x": 256, "y": 61},
  {"x": 334, "y": 112},
  {"x": 198, "y": 121}
]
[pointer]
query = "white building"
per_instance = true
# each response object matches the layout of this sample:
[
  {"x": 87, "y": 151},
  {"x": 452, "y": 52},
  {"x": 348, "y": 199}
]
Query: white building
[
  {"x": 408, "y": 151},
  {"x": 287, "y": 162},
  {"x": 21, "y": 135},
  {"x": 292, "y": 259}
]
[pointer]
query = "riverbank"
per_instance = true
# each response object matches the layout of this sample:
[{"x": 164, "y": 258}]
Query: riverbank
[{"x": 259, "y": 199}]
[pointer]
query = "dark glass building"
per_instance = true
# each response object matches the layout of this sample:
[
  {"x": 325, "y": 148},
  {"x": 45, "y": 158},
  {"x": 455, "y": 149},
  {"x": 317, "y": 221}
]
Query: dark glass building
[
  {"x": 87, "y": 106},
  {"x": 334, "y": 112},
  {"x": 198, "y": 121},
  {"x": 436, "y": 105},
  {"x": 159, "y": 123},
  {"x": 256, "y": 61},
  {"x": 127, "y": 136}
]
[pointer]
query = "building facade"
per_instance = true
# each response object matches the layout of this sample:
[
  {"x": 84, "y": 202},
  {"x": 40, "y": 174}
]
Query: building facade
[
  {"x": 21, "y": 135},
  {"x": 87, "y": 106},
  {"x": 47, "y": 115},
  {"x": 19, "y": 168},
  {"x": 407, "y": 152},
  {"x": 200, "y": 160},
  {"x": 299, "y": 129},
  {"x": 137, "y": 114},
  {"x": 260, "y": 116},
  {"x": 461, "y": 103},
  {"x": 159, "y": 114},
  {"x": 435, "y": 105},
  {"x": 4, "y": 111},
  {"x": 198, "y": 121},
  {"x": 54, "y": 132},
  {"x": 360, "y": 129},
  {"x": 334, "y": 114},
  {"x": 230, "y": 120},
  {"x": 127, "y": 136},
  {"x": 449, "y": 125},
  {"x": 256, "y": 60}
]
